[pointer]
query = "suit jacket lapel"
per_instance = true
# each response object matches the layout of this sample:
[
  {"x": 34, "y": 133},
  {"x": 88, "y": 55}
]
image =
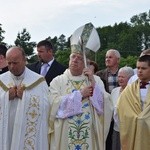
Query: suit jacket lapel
[{"x": 39, "y": 67}]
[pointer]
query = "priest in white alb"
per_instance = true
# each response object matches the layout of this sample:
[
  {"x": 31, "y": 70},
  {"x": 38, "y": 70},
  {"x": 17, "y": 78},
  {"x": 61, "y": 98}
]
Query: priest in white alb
[{"x": 24, "y": 106}]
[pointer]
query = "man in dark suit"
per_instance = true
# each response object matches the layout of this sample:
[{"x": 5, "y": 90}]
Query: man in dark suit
[
  {"x": 3, "y": 62},
  {"x": 46, "y": 58}
]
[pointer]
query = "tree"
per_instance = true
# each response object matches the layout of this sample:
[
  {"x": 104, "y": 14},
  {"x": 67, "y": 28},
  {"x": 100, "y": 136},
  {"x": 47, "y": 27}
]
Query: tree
[
  {"x": 63, "y": 56},
  {"x": 53, "y": 42},
  {"x": 141, "y": 19},
  {"x": 1, "y": 36},
  {"x": 129, "y": 61},
  {"x": 127, "y": 37},
  {"x": 141, "y": 24},
  {"x": 23, "y": 40},
  {"x": 61, "y": 42}
]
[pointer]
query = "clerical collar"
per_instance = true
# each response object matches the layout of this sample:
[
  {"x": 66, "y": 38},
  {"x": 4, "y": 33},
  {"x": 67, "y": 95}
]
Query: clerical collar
[
  {"x": 146, "y": 82},
  {"x": 144, "y": 85}
]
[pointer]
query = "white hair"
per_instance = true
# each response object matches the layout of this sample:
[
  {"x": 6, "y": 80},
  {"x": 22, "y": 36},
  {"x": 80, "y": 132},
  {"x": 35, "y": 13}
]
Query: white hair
[
  {"x": 116, "y": 52},
  {"x": 127, "y": 70}
]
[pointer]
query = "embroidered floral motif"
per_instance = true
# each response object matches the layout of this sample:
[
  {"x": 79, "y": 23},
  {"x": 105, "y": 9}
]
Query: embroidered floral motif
[
  {"x": 79, "y": 131},
  {"x": 86, "y": 33},
  {"x": 33, "y": 114},
  {"x": 79, "y": 125},
  {"x": 85, "y": 105}
]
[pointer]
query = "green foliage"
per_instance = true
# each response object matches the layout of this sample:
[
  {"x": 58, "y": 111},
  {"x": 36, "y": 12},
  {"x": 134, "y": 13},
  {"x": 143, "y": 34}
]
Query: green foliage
[
  {"x": 141, "y": 19},
  {"x": 1, "y": 36},
  {"x": 128, "y": 61},
  {"x": 61, "y": 42},
  {"x": 129, "y": 38},
  {"x": 53, "y": 41},
  {"x": 23, "y": 40},
  {"x": 32, "y": 58},
  {"x": 63, "y": 56},
  {"x": 101, "y": 59}
]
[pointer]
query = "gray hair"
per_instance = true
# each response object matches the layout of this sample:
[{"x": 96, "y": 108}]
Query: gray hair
[
  {"x": 127, "y": 70},
  {"x": 145, "y": 52},
  {"x": 116, "y": 52}
]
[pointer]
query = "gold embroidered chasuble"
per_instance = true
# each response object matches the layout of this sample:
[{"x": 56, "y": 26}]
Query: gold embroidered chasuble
[
  {"x": 30, "y": 125},
  {"x": 134, "y": 122},
  {"x": 85, "y": 131}
]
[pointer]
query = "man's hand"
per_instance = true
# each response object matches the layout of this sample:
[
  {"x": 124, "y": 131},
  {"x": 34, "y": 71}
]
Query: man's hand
[
  {"x": 88, "y": 72},
  {"x": 16, "y": 92},
  {"x": 12, "y": 92},
  {"x": 87, "y": 91},
  {"x": 19, "y": 91}
]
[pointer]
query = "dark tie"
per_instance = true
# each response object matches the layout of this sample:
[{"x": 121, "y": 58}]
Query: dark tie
[{"x": 143, "y": 85}]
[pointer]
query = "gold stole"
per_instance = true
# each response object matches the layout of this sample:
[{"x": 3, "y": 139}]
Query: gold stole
[{"x": 133, "y": 119}]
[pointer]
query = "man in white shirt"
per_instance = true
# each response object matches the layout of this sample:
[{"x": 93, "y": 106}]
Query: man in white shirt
[{"x": 45, "y": 53}]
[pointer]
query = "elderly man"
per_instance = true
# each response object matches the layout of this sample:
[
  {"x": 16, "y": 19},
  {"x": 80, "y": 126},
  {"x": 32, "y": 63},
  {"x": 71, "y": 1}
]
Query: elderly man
[
  {"x": 110, "y": 78},
  {"x": 110, "y": 75},
  {"x": 24, "y": 106},
  {"x": 78, "y": 118}
]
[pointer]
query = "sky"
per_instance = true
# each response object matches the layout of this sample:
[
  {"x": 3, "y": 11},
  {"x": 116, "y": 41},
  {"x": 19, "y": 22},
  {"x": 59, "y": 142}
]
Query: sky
[{"x": 44, "y": 18}]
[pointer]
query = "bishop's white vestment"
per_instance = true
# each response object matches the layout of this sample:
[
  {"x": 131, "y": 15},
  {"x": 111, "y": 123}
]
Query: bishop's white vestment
[{"x": 76, "y": 123}]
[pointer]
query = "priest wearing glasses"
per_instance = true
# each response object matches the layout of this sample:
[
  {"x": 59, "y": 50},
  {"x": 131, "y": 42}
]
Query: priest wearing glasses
[{"x": 78, "y": 117}]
